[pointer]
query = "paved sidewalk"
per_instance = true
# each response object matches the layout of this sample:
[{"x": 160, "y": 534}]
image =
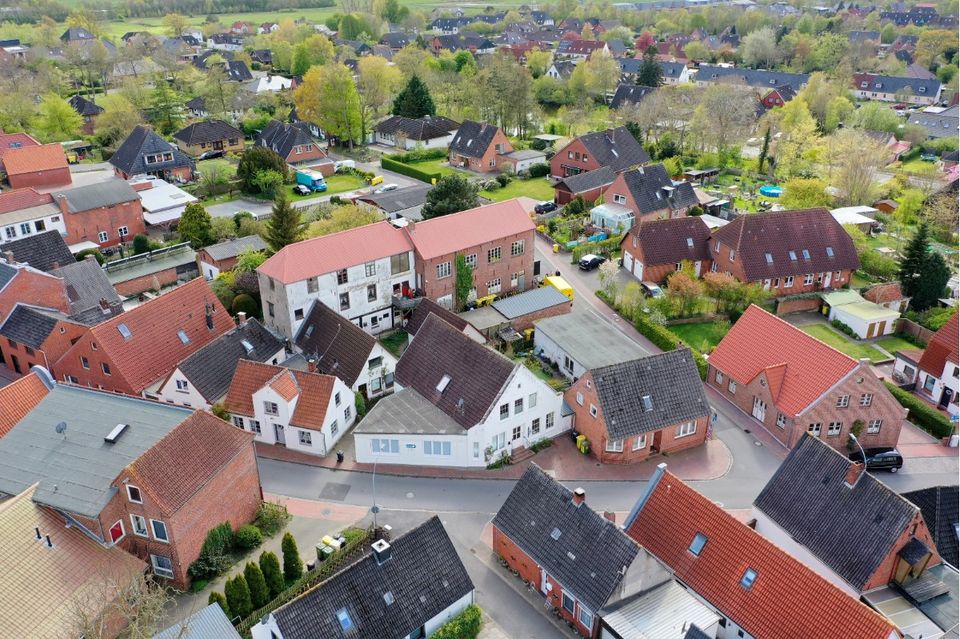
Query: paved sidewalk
[
  {"x": 917, "y": 443},
  {"x": 747, "y": 423},
  {"x": 562, "y": 461}
]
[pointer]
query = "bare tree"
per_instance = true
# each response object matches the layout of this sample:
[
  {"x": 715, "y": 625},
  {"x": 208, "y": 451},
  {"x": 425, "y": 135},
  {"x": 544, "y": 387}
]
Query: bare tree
[
  {"x": 116, "y": 601},
  {"x": 856, "y": 172}
]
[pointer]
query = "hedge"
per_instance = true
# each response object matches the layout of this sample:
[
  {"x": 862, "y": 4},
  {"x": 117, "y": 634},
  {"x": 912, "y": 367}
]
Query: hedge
[
  {"x": 409, "y": 171},
  {"x": 666, "y": 340},
  {"x": 466, "y": 625},
  {"x": 921, "y": 414},
  {"x": 419, "y": 155}
]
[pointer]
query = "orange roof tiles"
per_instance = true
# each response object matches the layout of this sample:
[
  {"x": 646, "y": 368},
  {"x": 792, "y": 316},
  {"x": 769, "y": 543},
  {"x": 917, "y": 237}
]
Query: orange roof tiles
[
  {"x": 18, "y": 399},
  {"x": 882, "y": 293},
  {"x": 759, "y": 341},
  {"x": 249, "y": 377},
  {"x": 942, "y": 347},
  {"x": 31, "y": 159},
  {"x": 312, "y": 391},
  {"x": 19, "y": 199},
  {"x": 285, "y": 386},
  {"x": 451, "y": 233},
  {"x": 311, "y": 410},
  {"x": 787, "y": 600}
]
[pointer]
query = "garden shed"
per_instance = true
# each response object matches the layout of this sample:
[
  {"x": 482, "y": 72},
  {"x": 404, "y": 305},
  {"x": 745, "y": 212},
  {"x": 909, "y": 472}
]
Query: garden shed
[{"x": 866, "y": 319}]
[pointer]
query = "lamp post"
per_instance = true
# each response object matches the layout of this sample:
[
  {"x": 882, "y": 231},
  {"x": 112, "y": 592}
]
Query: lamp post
[
  {"x": 862, "y": 452},
  {"x": 375, "y": 508}
]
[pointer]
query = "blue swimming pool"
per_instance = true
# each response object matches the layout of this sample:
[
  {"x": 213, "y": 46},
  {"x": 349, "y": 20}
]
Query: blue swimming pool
[{"x": 771, "y": 190}]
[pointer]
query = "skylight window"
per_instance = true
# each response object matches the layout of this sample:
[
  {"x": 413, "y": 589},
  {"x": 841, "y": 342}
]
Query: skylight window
[
  {"x": 647, "y": 403},
  {"x": 183, "y": 337},
  {"x": 309, "y": 331},
  {"x": 346, "y": 623},
  {"x": 555, "y": 535},
  {"x": 696, "y": 546},
  {"x": 689, "y": 242},
  {"x": 748, "y": 578},
  {"x": 388, "y": 598},
  {"x": 124, "y": 331},
  {"x": 829, "y": 251},
  {"x": 444, "y": 382},
  {"x": 793, "y": 256},
  {"x": 769, "y": 258},
  {"x": 806, "y": 254}
]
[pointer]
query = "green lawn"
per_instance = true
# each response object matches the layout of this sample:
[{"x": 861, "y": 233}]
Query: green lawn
[
  {"x": 440, "y": 166},
  {"x": 335, "y": 184},
  {"x": 893, "y": 344},
  {"x": 395, "y": 342},
  {"x": 537, "y": 188},
  {"x": 843, "y": 344},
  {"x": 702, "y": 336}
]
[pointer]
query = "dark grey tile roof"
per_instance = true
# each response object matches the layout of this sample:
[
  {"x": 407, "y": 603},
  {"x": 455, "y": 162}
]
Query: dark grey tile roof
[
  {"x": 7, "y": 273},
  {"x": 129, "y": 158},
  {"x": 894, "y": 84},
  {"x": 207, "y": 132},
  {"x": 420, "y": 129},
  {"x": 233, "y": 248},
  {"x": 670, "y": 380},
  {"x": 340, "y": 347},
  {"x": 695, "y": 633},
  {"x": 428, "y": 307},
  {"x": 423, "y": 575},
  {"x": 583, "y": 182},
  {"x": 211, "y": 368},
  {"x": 473, "y": 138},
  {"x": 616, "y": 148},
  {"x": 939, "y": 506},
  {"x": 283, "y": 137},
  {"x": 476, "y": 373},
  {"x": 578, "y": 547},
  {"x": 94, "y": 196},
  {"x": 395, "y": 40},
  {"x": 531, "y": 301},
  {"x": 753, "y": 77},
  {"x": 672, "y": 240},
  {"x": 647, "y": 184},
  {"x": 30, "y": 325},
  {"x": 913, "y": 551},
  {"x": 92, "y": 297},
  {"x": 84, "y": 106},
  {"x": 629, "y": 94},
  {"x": 778, "y": 233},
  {"x": 851, "y": 530},
  {"x": 43, "y": 251},
  {"x": 399, "y": 200}
]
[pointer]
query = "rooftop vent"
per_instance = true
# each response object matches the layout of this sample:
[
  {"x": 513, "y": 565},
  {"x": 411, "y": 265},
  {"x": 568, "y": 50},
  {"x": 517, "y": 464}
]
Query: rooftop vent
[
  {"x": 388, "y": 598},
  {"x": 247, "y": 346},
  {"x": 115, "y": 434},
  {"x": 555, "y": 535}
]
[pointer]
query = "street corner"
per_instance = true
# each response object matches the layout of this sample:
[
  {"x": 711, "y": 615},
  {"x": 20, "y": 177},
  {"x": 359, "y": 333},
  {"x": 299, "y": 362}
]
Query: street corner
[
  {"x": 312, "y": 509},
  {"x": 915, "y": 443}
]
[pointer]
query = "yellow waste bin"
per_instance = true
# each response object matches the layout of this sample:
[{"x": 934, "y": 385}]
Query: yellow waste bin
[{"x": 556, "y": 248}]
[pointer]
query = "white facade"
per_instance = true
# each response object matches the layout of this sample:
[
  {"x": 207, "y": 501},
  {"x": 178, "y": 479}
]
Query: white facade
[
  {"x": 543, "y": 345},
  {"x": 400, "y": 142},
  {"x": 364, "y": 295},
  {"x": 377, "y": 376},
  {"x": 26, "y": 222},
  {"x": 272, "y": 413},
  {"x": 865, "y": 328},
  {"x": 942, "y": 389},
  {"x": 177, "y": 389}
]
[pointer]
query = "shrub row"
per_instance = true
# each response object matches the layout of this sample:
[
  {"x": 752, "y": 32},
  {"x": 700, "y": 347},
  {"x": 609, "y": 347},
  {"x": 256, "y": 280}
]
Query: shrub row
[
  {"x": 419, "y": 155},
  {"x": 466, "y": 625},
  {"x": 409, "y": 171},
  {"x": 843, "y": 328},
  {"x": 921, "y": 414}
]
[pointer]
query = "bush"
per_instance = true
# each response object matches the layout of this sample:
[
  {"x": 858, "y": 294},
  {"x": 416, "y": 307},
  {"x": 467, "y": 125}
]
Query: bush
[
  {"x": 141, "y": 244},
  {"x": 97, "y": 255},
  {"x": 921, "y": 414},
  {"x": 360, "y": 404},
  {"x": 244, "y": 303},
  {"x": 409, "y": 171},
  {"x": 419, "y": 155},
  {"x": 271, "y": 518},
  {"x": 272, "y": 574},
  {"x": 247, "y": 537},
  {"x": 878, "y": 265},
  {"x": 843, "y": 328},
  {"x": 503, "y": 179},
  {"x": 259, "y": 593},
  {"x": 223, "y": 292},
  {"x": 292, "y": 565},
  {"x": 540, "y": 170},
  {"x": 466, "y": 625},
  {"x": 217, "y": 598},
  {"x": 214, "y": 554},
  {"x": 238, "y": 596}
]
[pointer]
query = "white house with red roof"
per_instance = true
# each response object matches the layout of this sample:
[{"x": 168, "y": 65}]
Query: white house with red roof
[{"x": 939, "y": 368}]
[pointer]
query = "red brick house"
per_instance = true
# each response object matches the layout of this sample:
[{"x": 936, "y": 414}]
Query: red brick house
[
  {"x": 794, "y": 384},
  {"x": 114, "y": 482},
  {"x": 653, "y": 250},
  {"x": 22, "y": 284},
  {"x": 36, "y": 336},
  {"x": 615, "y": 148},
  {"x": 496, "y": 240},
  {"x": 650, "y": 194},
  {"x": 757, "y": 588},
  {"x": 290, "y": 142},
  {"x": 11, "y": 141},
  {"x": 43, "y": 166},
  {"x": 636, "y": 409},
  {"x": 107, "y": 214},
  {"x": 480, "y": 147},
  {"x": 589, "y": 186},
  {"x": 778, "y": 96},
  {"x": 787, "y": 252},
  {"x": 134, "y": 352}
]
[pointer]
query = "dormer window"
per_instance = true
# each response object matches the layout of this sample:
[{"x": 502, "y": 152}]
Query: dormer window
[
  {"x": 863, "y": 85},
  {"x": 921, "y": 89}
]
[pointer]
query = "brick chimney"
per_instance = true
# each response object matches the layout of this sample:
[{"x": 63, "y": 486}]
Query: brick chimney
[
  {"x": 9, "y": 257},
  {"x": 610, "y": 516},
  {"x": 579, "y": 495},
  {"x": 312, "y": 365},
  {"x": 853, "y": 474},
  {"x": 62, "y": 203},
  {"x": 241, "y": 317}
]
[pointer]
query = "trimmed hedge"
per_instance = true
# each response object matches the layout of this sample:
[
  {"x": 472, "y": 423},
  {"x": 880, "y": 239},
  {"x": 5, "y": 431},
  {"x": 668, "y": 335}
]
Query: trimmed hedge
[
  {"x": 466, "y": 625},
  {"x": 419, "y": 155},
  {"x": 921, "y": 414},
  {"x": 410, "y": 171},
  {"x": 667, "y": 340}
]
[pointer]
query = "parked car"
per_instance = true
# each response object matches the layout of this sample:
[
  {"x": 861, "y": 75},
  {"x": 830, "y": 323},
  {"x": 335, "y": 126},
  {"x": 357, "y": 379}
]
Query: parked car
[
  {"x": 545, "y": 207},
  {"x": 590, "y": 261},
  {"x": 210, "y": 155},
  {"x": 880, "y": 458},
  {"x": 651, "y": 290},
  {"x": 300, "y": 189},
  {"x": 387, "y": 187}
]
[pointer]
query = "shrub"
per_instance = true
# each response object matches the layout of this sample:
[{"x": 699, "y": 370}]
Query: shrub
[
  {"x": 540, "y": 170},
  {"x": 259, "y": 593},
  {"x": 419, "y": 155},
  {"x": 292, "y": 565},
  {"x": 503, "y": 179},
  {"x": 921, "y": 414},
  {"x": 466, "y": 625},
  {"x": 843, "y": 328},
  {"x": 878, "y": 265},
  {"x": 97, "y": 255},
  {"x": 360, "y": 404},
  {"x": 272, "y": 574},
  {"x": 213, "y": 558},
  {"x": 218, "y": 598},
  {"x": 244, "y": 303},
  {"x": 141, "y": 244},
  {"x": 223, "y": 292},
  {"x": 271, "y": 518},
  {"x": 247, "y": 537},
  {"x": 541, "y": 444},
  {"x": 408, "y": 170},
  {"x": 238, "y": 596}
]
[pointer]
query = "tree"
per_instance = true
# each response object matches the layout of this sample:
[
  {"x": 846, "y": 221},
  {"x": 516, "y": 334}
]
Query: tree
[
  {"x": 259, "y": 593},
  {"x": 166, "y": 108},
  {"x": 650, "y": 73},
  {"x": 804, "y": 193},
  {"x": 914, "y": 260},
  {"x": 452, "y": 194},
  {"x": 238, "y": 596},
  {"x": 292, "y": 566},
  {"x": 888, "y": 33},
  {"x": 285, "y": 226},
  {"x": 254, "y": 160},
  {"x": 57, "y": 120},
  {"x": 141, "y": 244},
  {"x": 464, "y": 282},
  {"x": 176, "y": 24},
  {"x": 933, "y": 43},
  {"x": 328, "y": 96},
  {"x": 685, "y": 290},
  {"x": 378, "y": 81},
  {"x": 414, "y": 100},
  {"x": 764, "y": 150},
  {"x": 759, "y": 48},
  {"x": 195, "y": 226},
  {"x": 249, "y": 260},
  {"x": 856, "y": 177},
  {"x": 603, "y": 74},
  {"x": 798, "y": 138},
  {"x": 539, "y": 62},
  {"x": 724, "y": 115},
  {"x": 137, "y": 603},
  {"x": 505, "y": 93},
  {"x": 341, "y": 218},
  {"x": 118, "y": 119},
  {"x": 272, "y": 574},
  {"x": 932, "y": 282},
  {"x": 696, "y": 50},
  {"x": 220, "y": 600},
  {"x": 876, "y": 116},
  {"x": 268, "y": 182}
]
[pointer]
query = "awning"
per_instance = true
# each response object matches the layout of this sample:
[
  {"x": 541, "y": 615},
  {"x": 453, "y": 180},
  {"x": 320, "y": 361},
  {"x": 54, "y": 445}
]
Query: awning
[{"x": 82, "y": 246}]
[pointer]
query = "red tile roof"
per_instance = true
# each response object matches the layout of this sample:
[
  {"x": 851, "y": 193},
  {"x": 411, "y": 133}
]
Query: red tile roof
[
  {"x": 18, "y": 399},
  {"x": 312, "y": 390},
  {"x": 451, "y": 233},
  {"x": 330, "y": 253},
  {"x": 31, "y": 159},
  {"x": 155, "y": 347},
  {"x": 188, "y": 457},
  {"x": 799, "y": 367},
  {"x": 883, "y": 293},
  {"x": 9, "y": 141},
  {"x": 942, "y": 347},
  {"x": 249, "y": 377},
  {"x": 787, "y": 599},
  {"x": 19, "y": 199}
]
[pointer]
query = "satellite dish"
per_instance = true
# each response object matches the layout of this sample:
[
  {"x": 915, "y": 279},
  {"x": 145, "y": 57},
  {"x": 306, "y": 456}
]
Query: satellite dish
[{"x": 61, "y": 428}]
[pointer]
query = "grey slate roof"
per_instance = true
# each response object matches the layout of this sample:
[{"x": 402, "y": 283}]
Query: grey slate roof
[
  {"x": 808, "y": 497},
  {"x": 646, "y": 185},
  {"x": 590, "y": 343},
  {"x": 7, "y": 273},
  {"x": 591, "y": 550},
  {"x": 30, "y": 325},
  {"x": 232, "y": 248},
  {"x": 94, "y": 196},
  {"x": 894, "y": 84},
  {"x": 420, "y": 129},
  {"x": 424, "y": 575},
  {"x": 340, "y": 347},
  {"x": 407, "y": 412},
  {"x": 129, "y": 158},
  {"x": 477, "y": 374},
  {"x": 428, "y": 307},
  {"x": 583, "y": 182},
  {"x": 208, "y": 623},
  {"x": 629, "y": 94},
  {"x": 473, "y": 138},
  {"x": 752, "y": 77},
  {"x": 672, "y": 240},
  {"x": 207, "y": 132},
  {"x": 283, "y": 137},
  {"x": 939, "y": 506},
  {"x": 84, "y": 106},
  {"x": 88, "y": 286},
  {"x": 43, "y": 251},
  {"x": 938, "y": 125},
  {"x": 530, "y": 301},
  {"x": 399, "y": 200},
  {"x": 616, "y": 148},
  {"x": 211, "y": 368},
  {"x": 75, "y": 472},
  {"x": 669, "y": 379}
]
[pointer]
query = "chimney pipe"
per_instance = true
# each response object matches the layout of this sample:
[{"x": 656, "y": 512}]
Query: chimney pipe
[
  {"x": 241, "y": 317},
  {"x": 209, "y": 312},
  {"x": 49, "y": 543},
  {"x": 39, "y": 536},
  {"x": 610, "y": 516},
  {"x": 382, "y": 551},
  {"x": 578, "y": 496},
  {"x": 312, "y": 365},
  {"x": 853, "y": 474},
  {"x": 56, "y": 264}
]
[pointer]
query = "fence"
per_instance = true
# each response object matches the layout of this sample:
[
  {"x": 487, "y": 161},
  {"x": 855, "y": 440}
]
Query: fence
[{"x": 909, "y": 327}]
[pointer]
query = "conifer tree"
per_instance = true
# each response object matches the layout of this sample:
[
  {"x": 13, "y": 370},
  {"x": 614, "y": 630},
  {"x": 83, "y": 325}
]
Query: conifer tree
[{"x": 414, "y": 100}]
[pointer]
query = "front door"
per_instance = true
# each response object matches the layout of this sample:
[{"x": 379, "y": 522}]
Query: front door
[
  {"x": 655, "y": 446},
  {"x": 871, "y": 328},
  {"x": 696, "y": 268},
  {"x": 543, "y": 582},
  {"x": 759, "y": 408},
  {"x": 945, "y": 397},
  {"x": 522, "y": 282},
  {"x": 278, "y": 433},
  {"x": 827, "y": 278}
]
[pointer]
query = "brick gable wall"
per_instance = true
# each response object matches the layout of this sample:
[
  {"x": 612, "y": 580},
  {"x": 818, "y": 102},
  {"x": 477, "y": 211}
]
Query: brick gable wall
[
  {"x": 41, "y": 179},
  {"x": 87, "y": 225},
  {"x": 886, "y": 572},
  {"x": 490, "y": 162},
  {"x": 38, "y": 289},
  {"x": 778, "y": 286},
  {"x": 53, "y": 348},
  {"x": 70, "y": 367},
  {"x": 570, "y": 160}
]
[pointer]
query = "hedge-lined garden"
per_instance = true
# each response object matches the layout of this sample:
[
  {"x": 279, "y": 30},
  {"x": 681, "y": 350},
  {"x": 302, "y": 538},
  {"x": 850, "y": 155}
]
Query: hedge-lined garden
[{"x": 921, "y": 413}]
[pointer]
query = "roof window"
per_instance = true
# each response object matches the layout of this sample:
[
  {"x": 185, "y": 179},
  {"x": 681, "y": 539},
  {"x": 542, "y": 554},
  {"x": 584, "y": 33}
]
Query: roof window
[
  {"x": 829, "y": 251},
  {"x": 696, "y": 546},
  {"x": 769, "y": 258},
  {"x": 346, "y": 623},
  {"x": 806, "y": 254},
  {"x": 444, "y": 382},
  {"x": 388, "y": 598},
  {"x": 793, "y": 256},
  {"x": 183, "y": 337},
  {"x": 647, "y": 403},
  {"x": 247, "y": 346},
  {"x": 689, "y": 242},
  {"x": 748, "y": 578},
  {"x": 555, "y": 535},
  {"x": 124, "y": 331}
]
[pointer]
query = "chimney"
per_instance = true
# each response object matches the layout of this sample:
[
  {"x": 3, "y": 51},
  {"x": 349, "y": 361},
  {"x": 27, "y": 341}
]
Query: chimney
[
  {"x": 209, "y": 312},
  {"x": 578, "y": 496},
  {"x": 9, "y": 256},
  {"x": 609, "y": 515},
  {"x": 62, "y": 203},
  {"x": 241, "y": 317},
  {"x": 56, "y": 264},
  {"x": 104, "y": 304},
  {"x": 382, "y": 551},
  {"x": 853, "y": 474},
  {"x": 312, "y": 365},
  {"x": 39, "y": 536},
  {"x": 411, "y": 226}
]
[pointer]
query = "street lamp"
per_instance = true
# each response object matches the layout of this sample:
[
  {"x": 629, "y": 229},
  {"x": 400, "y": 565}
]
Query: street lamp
[
  {"x": 375, "y": 508},
  {"x": 862, "y": 452}
]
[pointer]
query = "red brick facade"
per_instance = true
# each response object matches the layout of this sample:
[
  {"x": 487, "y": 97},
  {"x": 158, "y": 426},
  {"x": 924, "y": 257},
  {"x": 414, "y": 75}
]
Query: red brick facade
[
  {"x": 563, "y": 195},
  {"x": 33, "y": 287},
  {"x": 305, "y": 153},
  {"x": 887, "y": 571},
  {"x": 45, "y": 179},
  {"x": 573, "y": 159},
  {"x": 20, "y": 358},
  {"x": 86, "y": 226},
  {"x": 146, "y": 282},
  {"x": 824, "y": 411},
  {"x": 788, "y": 285},
  {"x": 491, "y": 160},
  {"x": 619, "y": 193}
]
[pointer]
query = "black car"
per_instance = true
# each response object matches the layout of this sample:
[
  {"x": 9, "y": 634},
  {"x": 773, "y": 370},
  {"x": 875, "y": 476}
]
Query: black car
[
  {"x": 301, "y": 190},
  {"x": 590, "y": 261},
  {"x": 545, "y": 207},
  {"x": 210, "y": 155},
  {"x": 880, "y": 459}
]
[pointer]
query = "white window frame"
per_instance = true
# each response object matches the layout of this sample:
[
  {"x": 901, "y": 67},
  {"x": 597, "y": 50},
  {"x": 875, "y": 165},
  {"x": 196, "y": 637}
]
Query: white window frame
[
  {"x": 732, "y": 387},
  {"x": 788, "y": 281},
  {"x": 843, "y": 401},
  {"x": 103, "y": 236},
  {"x": 808, "y": 279},
  {"x": 516, "y": 248},
  {"x": 593, "y": 410},
  {"x": 718, "y": 378},
  {"x": 161, "y": 572},
  {"x": 504, "y": 414},
  {"x": 130, "y": 497},
  {"x": 305, "y": 437},
  {"x": 640, "y": 442},
  {"x": 444, "y": 270},
  {"x": 392, "y": 446},
  {"x": 685, "y": 430},
  {"x": 494, "y": 255},
  {"x": 583, "y": 612},
  {"x": 866, "y": 399},
  {"x": 614, "y": 446},
  {"x": 815, "y": 429},
  {"x": 271, "y": 408},
  {"x": 874, "y": 426},
  {"x": 133, "y": 526},
  {"x": 153, "y": 531},
  {"x": 834, "y": 429},
  {"x": 548, "y": 422},
  {"x": 781, "y": 420}
]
